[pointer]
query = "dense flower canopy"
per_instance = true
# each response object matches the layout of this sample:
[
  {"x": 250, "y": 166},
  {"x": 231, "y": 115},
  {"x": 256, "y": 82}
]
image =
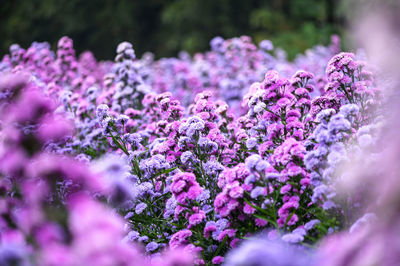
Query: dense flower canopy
[{"x": 179, "y": 161}]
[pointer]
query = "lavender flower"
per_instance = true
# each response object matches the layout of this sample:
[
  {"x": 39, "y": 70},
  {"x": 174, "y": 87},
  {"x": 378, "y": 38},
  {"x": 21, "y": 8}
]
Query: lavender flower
[
  {"x": 152, "y": 246},
  {"x": 264, "y": 252},
  {"x": 140, "y": 207},
  {"x": 251, "y": 143},
  {"x": 257, "y": 192}
]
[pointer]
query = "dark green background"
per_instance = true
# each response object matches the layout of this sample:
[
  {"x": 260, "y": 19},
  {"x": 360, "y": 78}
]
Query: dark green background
[{"x": 167, "y": 26}]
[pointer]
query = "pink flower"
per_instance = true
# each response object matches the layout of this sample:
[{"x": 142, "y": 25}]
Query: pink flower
[
  {"x": 248, "y": 209},
  {"x": 173, "y": 257},
  {"x": 208, "y": 230},
  {"x": 180, "y": 238},
  {"x": 260, "y": 222},
  {"x": 217, "y": 260},
  {"x": 234, "y": 242},
  {"x": 194, "y": 191},
  {"x": 54, "y": 129},
  {"x": 236, "y": 191},
  {"x": 293, "y": 220},
  {"x": 197, "y": 218},
  {"x": 185, "y": 186},
  {"x": 220, "y": 200},
  {"x": 290, "y": 205},
  {"x": 285, "y": 189},
  {"x": 178, "y": 186},
  {"x": 305, "y": 181},
  {"x": 283, "y": 102},
  {"x": 232, "y": 204},
  {"x": 227, "y": 232}
]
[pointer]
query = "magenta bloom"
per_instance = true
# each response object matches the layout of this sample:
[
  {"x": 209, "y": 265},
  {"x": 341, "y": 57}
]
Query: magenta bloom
[
  {"x": 185, "y": 187},
  {"x": 197, "y": 218},
  {"x": 217, "y": 260},
  {"x": 180, "y": 238},
  {"x": 55, "y": 129}
]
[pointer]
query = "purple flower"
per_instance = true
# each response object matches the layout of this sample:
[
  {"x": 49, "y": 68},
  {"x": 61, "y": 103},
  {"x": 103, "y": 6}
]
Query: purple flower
[
  {"x": 185, "y": 186},
  {"x": 186, "y": 156},
  {"x": 266, "y": 45},
  {"x": 311, "y": 224},
  {"x": 102, "y": 111},
  {"x": 328, "y": 205},
  {"x": 339, "y": 123},
  {"x": 180, "y": 238},
  {"x": 335, "y": 157},
  {"x": 140, "y": 207},
  {"x": 217, "y": 260},
  {"x": 293, "y": 238},
  {"x": 283, "y": 102},
  {"x": 152, "y": 246},
  {"x": 216, "y": 43},
  {"x": 252, "y": 161},
  {"x": 257, "y": 192},
  {"x": 349, "y": 110},
  {"x": 251, "y": 143},
  {"x": 227, "y": 232},
  {"x": 213, "y": 168},
  {"x": 197, "y": 218},
  {"x": 260, "y": 251},
  {"x": 194, "y": 191},
  {"x": 259, "y": 107},
  {"x": 262, "y": 165},
  {"x": 209, "y": 228},
  {"x": 134, "y": 139},
  {"x": 55, "y": 129},
  {"x": 286, "y": 188},
  {"x": 235, "y": 190},
  {"x": 125, "y": 51},
  {"x": 362, "y": 222},
  {"x": 132, "y": 236}
]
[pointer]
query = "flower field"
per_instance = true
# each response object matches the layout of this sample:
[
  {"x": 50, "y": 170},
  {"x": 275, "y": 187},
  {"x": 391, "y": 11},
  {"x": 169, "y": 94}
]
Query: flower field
[{"x": 234, "y": 156}]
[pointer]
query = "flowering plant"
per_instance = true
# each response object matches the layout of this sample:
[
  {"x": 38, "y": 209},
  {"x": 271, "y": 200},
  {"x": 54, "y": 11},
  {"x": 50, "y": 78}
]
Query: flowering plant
[{"x": 132, "y": 161}]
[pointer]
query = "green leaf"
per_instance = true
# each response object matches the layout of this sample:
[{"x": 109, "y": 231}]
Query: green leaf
[
  {"x": 221, "y": 246},
  {"x": 166, "y": 171},
  {"x": 119, "y": 145}
]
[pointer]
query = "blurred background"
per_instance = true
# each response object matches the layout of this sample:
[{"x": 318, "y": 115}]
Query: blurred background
[{"x": 166, "y": 27}]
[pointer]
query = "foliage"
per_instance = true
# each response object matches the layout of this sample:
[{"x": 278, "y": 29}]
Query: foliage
[{"x": 166, "y": 27}]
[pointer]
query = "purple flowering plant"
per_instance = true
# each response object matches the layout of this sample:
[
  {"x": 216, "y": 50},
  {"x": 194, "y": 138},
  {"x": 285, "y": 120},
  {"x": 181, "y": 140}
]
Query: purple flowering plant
[{"x": 134, "y": 161}]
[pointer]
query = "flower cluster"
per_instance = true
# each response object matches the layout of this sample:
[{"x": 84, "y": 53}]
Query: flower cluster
[{"x": 136, "y": 161}]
